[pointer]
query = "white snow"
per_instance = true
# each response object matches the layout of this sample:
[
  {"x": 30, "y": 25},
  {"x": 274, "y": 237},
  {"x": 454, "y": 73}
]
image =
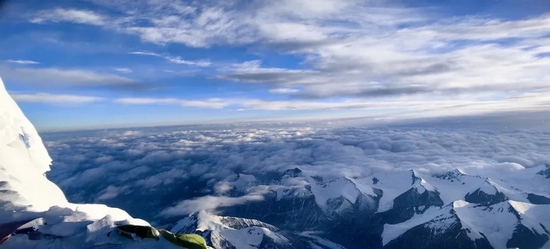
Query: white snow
[
  {"x": 533, "y": 215},
  {"x": 26, "y": 192},
  {"x": 291, "y": 191},
  {"x": 292, "y": 187},
  {"x": 495, "y": 222},
  {"x": 392, "y": 232},
  {"x": 339, "y": 187},
  {"x": 515, "y": 184},
  {"x": 249, "y": 237},
  {"x": 393, "y": 184},
  {"x": 460, "y": 204},
  {"x": 320, "y": 241},
  {"x": 488, "y": 187},
  {"x": 457, "y": 188},
  {"x": 23, "y": 162}
]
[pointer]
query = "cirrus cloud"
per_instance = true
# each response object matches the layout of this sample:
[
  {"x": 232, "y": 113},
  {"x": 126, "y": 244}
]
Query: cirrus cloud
[
  {"x": 55, "y": 98},
  {"x": 338, "y": 54},
  {"x": 68, "y": 15}
]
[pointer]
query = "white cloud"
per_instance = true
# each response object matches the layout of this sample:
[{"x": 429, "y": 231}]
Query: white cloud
[
  {"x": 175, "y": 59},
  {"x": 161, "y": 179},
  {"x": 159, "y": 161},
  {"x": 211, "y": 203},
  {"x": 24, "y": 62},
  {"x": 491, "y": 29},
  {"x": 383, "y": 109},
  {"x": 179, "y": 60},
  {"x": 123, "y": 69},
  {"x": 62, "y": 77},
  {"x": 252, "y": 71},
  {"x": 55, "y": 98},
  {"x": 69, "y": 15},
  {"x": 283, "y": 90},
  {"x": 207, "y": 103},
  {"x": 109, "y": 193},
  {"x": 145, "y": 53}
]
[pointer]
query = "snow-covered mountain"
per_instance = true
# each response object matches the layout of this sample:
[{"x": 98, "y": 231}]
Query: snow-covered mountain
[
  {"x": 233, "y": 232},
  {"x": 27, "y": 195},
  {"x": 408, "y": 209}
]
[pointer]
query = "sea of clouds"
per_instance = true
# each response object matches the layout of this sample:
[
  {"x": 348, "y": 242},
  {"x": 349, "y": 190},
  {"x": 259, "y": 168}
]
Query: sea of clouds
[{"x": 170, "y": 171}]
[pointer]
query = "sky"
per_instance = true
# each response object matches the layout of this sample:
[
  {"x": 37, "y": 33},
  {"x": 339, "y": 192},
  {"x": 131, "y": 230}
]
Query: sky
[{"x": 116, "y": 63}]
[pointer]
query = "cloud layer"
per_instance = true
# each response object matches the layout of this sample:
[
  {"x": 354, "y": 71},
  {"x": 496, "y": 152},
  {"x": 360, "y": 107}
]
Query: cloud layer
[{"x": 177, "y": 170}]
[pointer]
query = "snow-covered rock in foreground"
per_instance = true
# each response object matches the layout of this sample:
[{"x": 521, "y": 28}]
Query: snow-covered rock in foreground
[
  {"x": 232, "y": 232},
  {"x": 23, "y": 162},
  {"x": 27, "y": 194}
]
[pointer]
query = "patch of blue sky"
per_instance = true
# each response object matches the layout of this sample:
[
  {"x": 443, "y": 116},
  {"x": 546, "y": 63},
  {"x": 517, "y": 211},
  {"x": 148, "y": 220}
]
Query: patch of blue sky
[{"x": 544, "y": 55}]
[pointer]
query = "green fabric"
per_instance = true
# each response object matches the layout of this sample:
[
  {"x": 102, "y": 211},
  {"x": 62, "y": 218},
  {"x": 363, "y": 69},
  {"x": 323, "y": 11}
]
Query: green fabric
[
  {"x": 189, "y": 241},
  {"x": 138, "y": 231}
]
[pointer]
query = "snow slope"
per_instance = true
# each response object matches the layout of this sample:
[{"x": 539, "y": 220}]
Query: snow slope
[
  {"x": 225, "y": 232},
  {"x": 23, "y": 162},
  {"x": 26, "y": 193},
  {"x": 487, "y": 210},
  {"x": 233, "y": 232}
]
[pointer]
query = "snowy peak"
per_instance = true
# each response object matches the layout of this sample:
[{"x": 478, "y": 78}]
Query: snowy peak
[
  {"x": 483, "y": 211},
  {"x": 208, "y": 221},
  {"x": 19, "y": 136},
  {"x": 28, "y": 195},
  {"x": 506, "y": 224},
  {"x": 340, "y": 187},
  {"x": 422, "y": 185},
  {"x": 231, "y": 232},
  {"x": 224, "y": 232},
  {"x": 453, "y": 175},
  {"x": 23, "y": 162},
  {"x": 487, "y": 193},
  {"x": 434, "y": 220},
  {"x": 339, "y": 194},
  {"x": 414, "y": 177}
]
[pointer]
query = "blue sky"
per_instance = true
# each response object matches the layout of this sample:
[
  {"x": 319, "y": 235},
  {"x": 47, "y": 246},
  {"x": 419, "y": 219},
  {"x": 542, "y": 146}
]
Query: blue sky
[{"x": 109, "y": 63}]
